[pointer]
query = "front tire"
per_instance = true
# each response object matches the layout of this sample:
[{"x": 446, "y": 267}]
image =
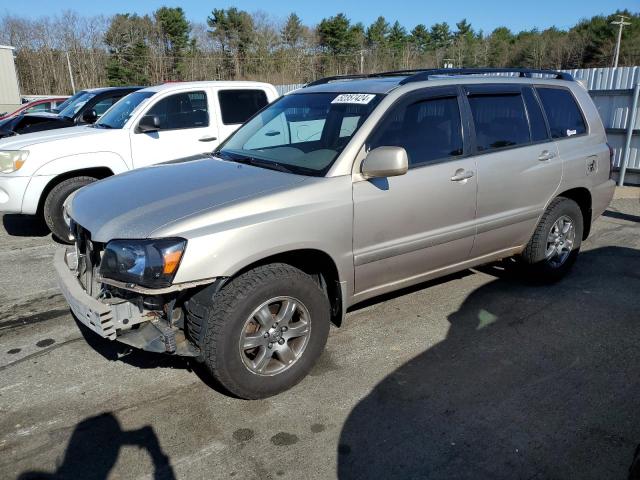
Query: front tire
[
  {"x": 263, "y": 331},
  {"x": 52, "y": 212},
  {"x": 555, "y": 244}
]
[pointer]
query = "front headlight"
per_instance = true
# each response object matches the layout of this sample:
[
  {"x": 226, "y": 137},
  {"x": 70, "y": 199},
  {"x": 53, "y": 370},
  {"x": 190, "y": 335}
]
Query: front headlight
[
  {"x": 148, "y": 263},
  {"x": 12, "y": 160}
]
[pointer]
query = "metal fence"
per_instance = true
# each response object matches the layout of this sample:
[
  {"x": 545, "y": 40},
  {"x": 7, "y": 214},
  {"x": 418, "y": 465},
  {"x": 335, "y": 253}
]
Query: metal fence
[{"x": 612, "y": 90}]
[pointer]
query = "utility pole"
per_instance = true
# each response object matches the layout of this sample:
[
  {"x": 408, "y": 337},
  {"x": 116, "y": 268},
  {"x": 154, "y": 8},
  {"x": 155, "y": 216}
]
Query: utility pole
[
  {"x": 621, "y": 24},
  {"x": 73, "y": 85},
  {"x": 361, "y": 61}
]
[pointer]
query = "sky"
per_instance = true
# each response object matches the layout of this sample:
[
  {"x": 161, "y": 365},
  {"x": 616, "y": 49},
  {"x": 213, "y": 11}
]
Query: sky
[{"x": 486, "y": 15}]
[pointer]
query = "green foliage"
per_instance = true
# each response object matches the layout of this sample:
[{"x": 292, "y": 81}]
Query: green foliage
[
  {"x": 127, "y": 40},
  {"x": 292, "y": 31},
  {"x": 377, "y": 33},
  {"x": 338, "y": 36}
]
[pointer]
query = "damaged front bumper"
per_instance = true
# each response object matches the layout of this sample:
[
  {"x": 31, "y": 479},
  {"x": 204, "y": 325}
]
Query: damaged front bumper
[{"x": 122, "y": 319}]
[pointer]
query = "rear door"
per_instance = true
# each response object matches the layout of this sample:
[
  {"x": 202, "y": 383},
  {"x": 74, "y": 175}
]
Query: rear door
[
  {"x": 410, "y": 225},
  {"x": 518, "y": 165},
  {"x": 187, "y": 127},
  {"x": 236, "y": 105}
]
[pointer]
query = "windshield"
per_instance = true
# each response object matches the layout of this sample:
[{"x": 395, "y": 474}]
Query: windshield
[
  {"x": 302, "y": 133},
  {"x": 76, "y": 103},
  {"x": 118, "y": 115},
  {"x": 69, "y": 100}
]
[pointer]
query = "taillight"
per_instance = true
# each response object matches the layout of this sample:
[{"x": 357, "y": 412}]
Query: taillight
[{"x": 610, "y": 161}]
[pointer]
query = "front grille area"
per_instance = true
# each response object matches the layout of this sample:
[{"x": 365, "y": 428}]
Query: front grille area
[{"x": 89, "y": 255}]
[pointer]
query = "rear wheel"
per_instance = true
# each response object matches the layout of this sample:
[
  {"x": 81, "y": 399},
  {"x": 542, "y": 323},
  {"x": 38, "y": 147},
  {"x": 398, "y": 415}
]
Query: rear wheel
[
  {"x": 53, "y": 214},
  {"x": 555, "y": 244},
  {"x": 263, "y": 331}
]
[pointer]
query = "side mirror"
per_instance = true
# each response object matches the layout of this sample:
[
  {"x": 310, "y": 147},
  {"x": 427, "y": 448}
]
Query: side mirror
[
  {"x": 385, "y": 162},
  {"x": 149, "y": 123},
  {"x": 90, "y": 116}
]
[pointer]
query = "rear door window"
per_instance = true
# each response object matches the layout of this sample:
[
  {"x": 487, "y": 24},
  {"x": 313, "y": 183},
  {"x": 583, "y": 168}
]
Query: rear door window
[
  {"x": 500, "y": 120},
  {"x": 536, "y": 118},
  {"x": 237, "y": 106},
  {"x": 563, "y": 114}
]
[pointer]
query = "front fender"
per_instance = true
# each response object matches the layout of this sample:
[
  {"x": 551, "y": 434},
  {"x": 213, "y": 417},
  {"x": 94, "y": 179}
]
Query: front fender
[{"x": 63, "y": 166}]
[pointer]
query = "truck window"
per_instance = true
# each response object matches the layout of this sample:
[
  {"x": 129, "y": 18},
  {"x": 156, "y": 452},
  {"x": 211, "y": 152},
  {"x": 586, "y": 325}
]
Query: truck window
[
  {"x": 563, "y": 114},
  {"x": 500, "y": 121},
  {"x": 237, "y": 106},
  {"x": 182, "y": 110}
]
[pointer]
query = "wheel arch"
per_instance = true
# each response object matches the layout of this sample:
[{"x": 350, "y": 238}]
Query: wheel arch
[
  {"x": 96, "y": 172},
  {"x": 316, "y": 263},
  {"x": 582, "y": 196}
]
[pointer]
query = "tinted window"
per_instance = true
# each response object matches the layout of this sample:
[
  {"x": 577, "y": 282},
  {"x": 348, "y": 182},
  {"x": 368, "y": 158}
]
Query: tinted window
[
  {"x": 182, "y": 110},
  {"x": 563, "y": 114},
  {"x": 536, "y": 119},
  {"x": 105, "y": 104},
  {"x": 237, "y": 106},
  {"x": 428, "y": 130},
  {"x": 41, "y": 107},
  {"x": 500, "y": 121}
]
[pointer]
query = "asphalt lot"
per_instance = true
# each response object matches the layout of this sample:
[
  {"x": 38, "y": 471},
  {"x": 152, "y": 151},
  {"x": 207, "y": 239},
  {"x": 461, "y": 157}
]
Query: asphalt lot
[{"x": 477, "y": 375}]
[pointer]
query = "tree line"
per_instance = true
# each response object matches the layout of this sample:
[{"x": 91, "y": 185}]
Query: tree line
[{"x": 234, "y": 44}]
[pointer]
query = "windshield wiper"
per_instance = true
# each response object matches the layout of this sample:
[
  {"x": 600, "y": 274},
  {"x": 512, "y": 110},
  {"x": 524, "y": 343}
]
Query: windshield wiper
[{"x": 256, "y": 162}]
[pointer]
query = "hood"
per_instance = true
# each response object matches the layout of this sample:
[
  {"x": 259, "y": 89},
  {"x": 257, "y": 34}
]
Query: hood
[
  {"x": 137, "y": 203},
  {"x": 66, "y": 135}
]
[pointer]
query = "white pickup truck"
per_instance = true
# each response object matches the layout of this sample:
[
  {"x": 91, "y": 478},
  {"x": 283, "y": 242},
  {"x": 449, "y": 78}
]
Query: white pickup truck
[{"x": 38, "y": 171}]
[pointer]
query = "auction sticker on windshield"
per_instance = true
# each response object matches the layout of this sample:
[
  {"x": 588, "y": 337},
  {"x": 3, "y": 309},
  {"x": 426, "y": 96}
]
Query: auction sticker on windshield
[{"x": 359, "y": 98}]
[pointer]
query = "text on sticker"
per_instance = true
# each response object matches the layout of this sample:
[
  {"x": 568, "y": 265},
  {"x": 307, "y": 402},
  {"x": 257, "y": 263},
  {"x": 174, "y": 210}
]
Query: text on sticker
[{"x": 359, "y": 98}]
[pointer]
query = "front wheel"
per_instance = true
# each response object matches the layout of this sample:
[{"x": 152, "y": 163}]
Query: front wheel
[
  {"x": 555, "y": 244},
  {"x": 53, "y": 214},
  {"x": 263, "y": 331}
]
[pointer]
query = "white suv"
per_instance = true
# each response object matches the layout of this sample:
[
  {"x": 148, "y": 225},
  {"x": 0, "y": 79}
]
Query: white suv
[{"x": 39, "y": 171}]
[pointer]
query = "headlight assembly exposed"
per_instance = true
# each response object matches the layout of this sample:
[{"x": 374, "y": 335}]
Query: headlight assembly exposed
[
  {"x": 148, "y": 263},
  {"x": 12, "y": 160}
]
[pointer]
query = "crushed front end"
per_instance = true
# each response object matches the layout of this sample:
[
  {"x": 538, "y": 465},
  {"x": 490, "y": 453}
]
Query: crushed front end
[{"x": 151, "y": 319}]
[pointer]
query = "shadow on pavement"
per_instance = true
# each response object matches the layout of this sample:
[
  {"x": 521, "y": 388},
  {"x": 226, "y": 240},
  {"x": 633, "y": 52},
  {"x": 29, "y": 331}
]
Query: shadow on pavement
[
  {"x": 531, "y": 382},
  {"x": 120, "y": 352},
  {"x": 24, "y": 225},
  {"x": 94, "y": 447}
]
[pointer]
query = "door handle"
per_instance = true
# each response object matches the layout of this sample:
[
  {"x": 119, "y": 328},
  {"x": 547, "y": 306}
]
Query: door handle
[
  {"x": 207, "y": 138},
  {"x": 546, "y": 155},
  {"x": 272, "y": 133},
  {"x": 462, "y": 175}
]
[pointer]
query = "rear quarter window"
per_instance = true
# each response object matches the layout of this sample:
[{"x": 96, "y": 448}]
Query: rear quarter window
[
  {"x": 563, "y": 114},
  {"x": 237, "y": 106}
]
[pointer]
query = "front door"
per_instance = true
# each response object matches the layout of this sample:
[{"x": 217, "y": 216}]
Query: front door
[
  {"x": 187, "y": 127},
  {"x": 408, "y": 226}
]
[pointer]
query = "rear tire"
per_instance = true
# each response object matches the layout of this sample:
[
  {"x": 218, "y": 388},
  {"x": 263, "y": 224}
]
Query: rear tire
[
  {"x": 555, "y": 244},
  {"x": 276, "y": 307},
  {"x": 54, "y": 202}
]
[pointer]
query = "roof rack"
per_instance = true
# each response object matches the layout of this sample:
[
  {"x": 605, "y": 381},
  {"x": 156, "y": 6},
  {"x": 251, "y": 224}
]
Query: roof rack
[{"x": 422, "y": 74}]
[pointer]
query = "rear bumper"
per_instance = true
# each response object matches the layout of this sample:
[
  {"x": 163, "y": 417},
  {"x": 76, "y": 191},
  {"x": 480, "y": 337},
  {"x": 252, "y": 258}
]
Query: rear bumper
[
  {"x": 12, "y": 190},
  {"x": 601, "y": 196}
]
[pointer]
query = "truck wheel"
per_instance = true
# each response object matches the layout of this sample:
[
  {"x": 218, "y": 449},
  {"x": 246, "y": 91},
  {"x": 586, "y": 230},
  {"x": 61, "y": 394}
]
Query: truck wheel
[
  {"x": 54, "y": 202},
  {"x": 555, "y": 244},
  {"x": 264, "y": 330}
]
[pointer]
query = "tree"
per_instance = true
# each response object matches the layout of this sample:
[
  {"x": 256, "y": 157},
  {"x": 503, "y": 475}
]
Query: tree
[
  {"x": 337, "y": 36},
  {"x": 234, "y": 31},
  {"x": 173, "y": 30},
  {"x": 420, "y": 38},
  {"x": 127, "y": 41},
  {"x": 397, "y": 36},
  {"x": 440, "y": 35},
  {"x": 292, "y": 31},
  {"x": 500, "y": 43},
  {"x": 377, "y": 32}
]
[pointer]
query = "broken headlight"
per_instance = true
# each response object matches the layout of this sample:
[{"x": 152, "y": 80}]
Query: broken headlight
[{"x": 148, "y": 263}]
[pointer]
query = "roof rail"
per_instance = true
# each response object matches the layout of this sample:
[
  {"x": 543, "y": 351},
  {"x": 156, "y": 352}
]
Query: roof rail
[{"x": 421, "y": 74}]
